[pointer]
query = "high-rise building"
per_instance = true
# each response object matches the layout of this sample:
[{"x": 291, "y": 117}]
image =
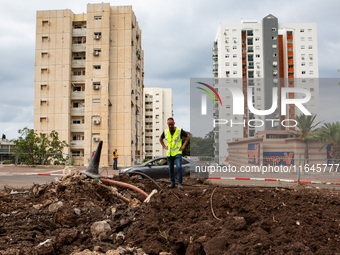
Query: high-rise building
[
  {"x": 158, "y": 108},
  {"x": 258, "y": 58},
  {"x": 89, "y": 81}
]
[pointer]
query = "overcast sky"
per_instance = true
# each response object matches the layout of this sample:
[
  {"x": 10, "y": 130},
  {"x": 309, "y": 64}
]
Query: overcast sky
[{"x": 177, "y": 38}]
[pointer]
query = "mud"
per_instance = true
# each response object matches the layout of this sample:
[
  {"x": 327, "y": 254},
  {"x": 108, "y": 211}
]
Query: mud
[{"x": 58, "y": 218}]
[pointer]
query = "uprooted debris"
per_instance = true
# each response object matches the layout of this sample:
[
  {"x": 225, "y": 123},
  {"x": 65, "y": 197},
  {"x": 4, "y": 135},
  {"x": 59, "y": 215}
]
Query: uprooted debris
[{"x": 80, "y": 216}]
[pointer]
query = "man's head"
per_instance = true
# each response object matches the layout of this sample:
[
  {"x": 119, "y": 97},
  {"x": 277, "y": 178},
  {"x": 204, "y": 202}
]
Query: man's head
[{"x": 171, "y": 124}]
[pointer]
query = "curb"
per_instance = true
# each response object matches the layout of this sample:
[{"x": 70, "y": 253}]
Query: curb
[{"x": 270, "y": 179}]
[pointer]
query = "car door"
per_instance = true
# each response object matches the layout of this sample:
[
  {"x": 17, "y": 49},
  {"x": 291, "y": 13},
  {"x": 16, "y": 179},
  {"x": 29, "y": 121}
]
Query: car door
[{"x": 157, "y": 168}]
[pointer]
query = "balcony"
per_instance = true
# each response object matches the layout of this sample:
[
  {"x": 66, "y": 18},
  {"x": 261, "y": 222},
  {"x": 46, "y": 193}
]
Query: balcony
[
  {"x": 78, "y": 47},
  {"x": 79, "y": 32},
  {"x": 148, "y": 133},
  {"x": 148, "y": 148},
  {"x": 77, "y": 144},
  {"x": 78, "y": 111},
  {"x": 78, "y": 63},
  {"x": 77, "y": 127},
  {"x": 78, "y": 78},
  {"x": 77, "y": 95}
]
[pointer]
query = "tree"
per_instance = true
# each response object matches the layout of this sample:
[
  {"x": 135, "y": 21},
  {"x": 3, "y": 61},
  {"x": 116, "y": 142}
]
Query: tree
[
  {"x": 202, "y": 146},
  {"x": 39, "y": 148},
  {"x": 330, "y": 134},
  {"x": 306, "y": 126}
]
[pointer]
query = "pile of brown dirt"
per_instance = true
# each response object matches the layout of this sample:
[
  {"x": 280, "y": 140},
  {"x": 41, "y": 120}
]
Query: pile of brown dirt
[{"x": 79, "y": 216}]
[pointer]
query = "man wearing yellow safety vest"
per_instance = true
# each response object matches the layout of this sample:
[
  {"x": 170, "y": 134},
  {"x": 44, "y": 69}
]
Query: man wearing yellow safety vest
[{"x": 174, "y": 137}]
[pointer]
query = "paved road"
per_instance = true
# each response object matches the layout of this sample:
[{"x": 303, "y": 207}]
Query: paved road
[
  {"x": 14, "y": 176},
  {"x": 25, "y": 181}
]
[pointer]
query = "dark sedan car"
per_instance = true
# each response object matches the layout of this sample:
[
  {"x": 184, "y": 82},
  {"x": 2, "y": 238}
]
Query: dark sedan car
[{"x": 158, "y": 168}]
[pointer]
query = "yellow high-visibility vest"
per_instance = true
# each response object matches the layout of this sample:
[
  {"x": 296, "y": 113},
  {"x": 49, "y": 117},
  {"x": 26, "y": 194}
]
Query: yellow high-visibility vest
[{"x": 174, "y": 142}]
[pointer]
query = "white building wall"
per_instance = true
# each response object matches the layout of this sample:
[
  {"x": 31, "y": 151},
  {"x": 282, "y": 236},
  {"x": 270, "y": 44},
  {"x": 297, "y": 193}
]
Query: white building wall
[
  {"x": 229, "y": 66},
  {"x": 160, "y": 102}
]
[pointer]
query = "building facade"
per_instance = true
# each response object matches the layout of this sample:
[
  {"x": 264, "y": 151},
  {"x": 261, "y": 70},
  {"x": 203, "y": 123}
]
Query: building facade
[
  {"x": 158, "y": 108},
  {"x": 89, "y": 81},
  {"x": 7, "y": 149},
  {"x": 260, "y": 59},
  {"x": 277, "y": 148}
]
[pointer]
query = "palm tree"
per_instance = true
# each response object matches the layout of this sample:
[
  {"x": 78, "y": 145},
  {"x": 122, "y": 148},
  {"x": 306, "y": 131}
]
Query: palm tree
[
  {"x": 330, "y": 134},
  {"x": 306, "y": 126}
]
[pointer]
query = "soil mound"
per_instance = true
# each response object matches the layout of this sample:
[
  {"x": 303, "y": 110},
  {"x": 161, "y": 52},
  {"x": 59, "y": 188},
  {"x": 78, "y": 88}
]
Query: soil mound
[{"x": 80, "y": 216}]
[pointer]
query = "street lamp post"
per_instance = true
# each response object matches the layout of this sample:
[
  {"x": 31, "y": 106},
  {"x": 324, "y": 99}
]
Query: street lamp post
[{"x": 96, "y": 115}]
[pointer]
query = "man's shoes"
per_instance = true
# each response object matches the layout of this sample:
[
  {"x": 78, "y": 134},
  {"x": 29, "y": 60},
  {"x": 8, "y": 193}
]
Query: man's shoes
[
  {"x": 180, "y": 187},
  {"x": 171, "y": 186}
]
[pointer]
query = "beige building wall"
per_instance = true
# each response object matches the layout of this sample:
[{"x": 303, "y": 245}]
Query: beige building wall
[
  {"x": 158, "y": 108},
  {"x": 89, "y": 75}
]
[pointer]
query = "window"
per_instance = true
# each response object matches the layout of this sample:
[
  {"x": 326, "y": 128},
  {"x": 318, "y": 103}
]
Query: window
[
  {"x": 96, "y": 66},
  {"x": 310, "y": 47},
  {"x": 274, "y": 63},
  {"x": 77, "y": 121},
  {"x": 311, "y": 56},
  {"x": 234, "y": 55},
  {"x": 76, "y": 153},
  {"x": 234, "y": 72},
  {"x": 96, "y": 52},
  {"x": 302, "y": 39},
  {"x": 309, "y": 30},
  {"x": 257, "y": 39},
  {"x": 226, "y": 63},
  {"x": 274, "y": 46},
  {"x": 78, "y": 88},
  {"x": 311, "y": 72},
  {"x": 311, "y": 89},
  {"x": 310, "y": 63},
  {"x": 273, "y": 29},
  {"x": 303, "y": 72},
  {"x": 44, "y": 38},
  {"x": 95, "y": 101},
  {"x": 274, "y": 38},
  {"x": 303, "y": 63},
  {"x": 78, "y": 137},
  {"x": 274, "y": 54},
  {"x": 303, "y": 56},
  {"x": 97, "y": 35},
  {"x": 235, "y": 64},
  {"x": 227, "y": 56},
  {"x": 310, "y": 39},
  {"x": 302, "y": 30},
  {"x": 257, "y": 55},
  {"x": 97, "y": 17},
  {"x": 234, "y": 47},
  {"x": 303, "y": 47}
]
